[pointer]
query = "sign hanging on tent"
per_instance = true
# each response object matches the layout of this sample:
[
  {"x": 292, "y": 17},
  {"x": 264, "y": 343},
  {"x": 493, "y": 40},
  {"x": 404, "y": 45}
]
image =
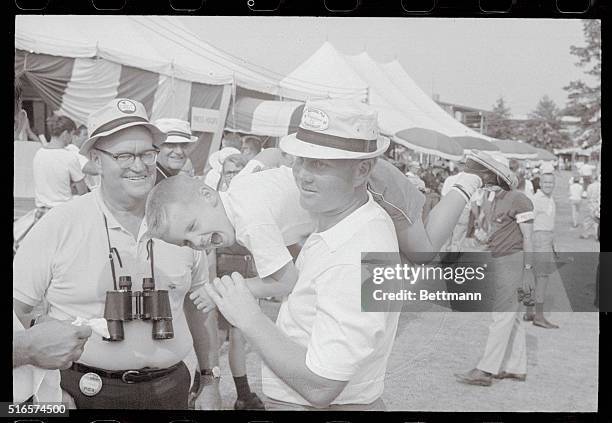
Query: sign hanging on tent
[{"x": 204, "y": 120}]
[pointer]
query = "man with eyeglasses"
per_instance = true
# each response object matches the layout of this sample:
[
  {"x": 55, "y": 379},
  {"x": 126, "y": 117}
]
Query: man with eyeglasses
[{"x": 76, "y": 253}]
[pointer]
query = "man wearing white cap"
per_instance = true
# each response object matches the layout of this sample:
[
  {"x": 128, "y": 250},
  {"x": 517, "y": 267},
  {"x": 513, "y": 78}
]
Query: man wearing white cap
[
  {"x": 510, "y": 244},
  {"x": 324, "y": 352},
  {"x": 174, "y": 152},
  {"x": 544, "y": 209},
  {"x": 75, "y": 255}
]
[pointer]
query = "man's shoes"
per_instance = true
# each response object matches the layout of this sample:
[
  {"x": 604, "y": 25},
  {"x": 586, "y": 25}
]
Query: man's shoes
[
  {"x": 475, "y": 377},
  {"x": 251, "y": 403},
  {"x": 490, "y": 171},
  {"x": 543, "y": 323},
  {"x": 528, "y": 317},
  {"x": 521, "y": 377}
]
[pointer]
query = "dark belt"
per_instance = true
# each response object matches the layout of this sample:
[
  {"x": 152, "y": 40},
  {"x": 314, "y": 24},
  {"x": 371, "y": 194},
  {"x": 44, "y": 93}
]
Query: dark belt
[{"x": 128, "y": 376}]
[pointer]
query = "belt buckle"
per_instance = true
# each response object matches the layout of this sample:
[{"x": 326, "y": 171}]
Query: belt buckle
[{"x": 129, "y": 372}]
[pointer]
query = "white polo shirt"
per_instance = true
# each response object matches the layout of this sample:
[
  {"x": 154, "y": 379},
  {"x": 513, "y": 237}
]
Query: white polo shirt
[
  {"x": 544, "y": 211},
  {"x": 265, "y": 210},
  {"x": 54, "y": 169},
  {"x": 65, "y": 259},
  {"x": 323, "y": 313}
]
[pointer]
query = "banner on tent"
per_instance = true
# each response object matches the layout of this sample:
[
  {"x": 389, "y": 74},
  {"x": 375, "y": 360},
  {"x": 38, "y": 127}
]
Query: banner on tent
[{"x": 204, "y": 120}]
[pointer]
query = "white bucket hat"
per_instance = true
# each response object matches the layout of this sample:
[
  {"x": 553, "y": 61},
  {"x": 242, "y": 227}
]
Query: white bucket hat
[
  {"x": 178, "y": 130},
  {"x": 118, "y": 114},
  {"x": 336, "y": 129}
]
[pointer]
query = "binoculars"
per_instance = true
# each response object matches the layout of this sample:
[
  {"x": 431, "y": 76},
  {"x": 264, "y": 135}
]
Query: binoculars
[{"x": 149, "y": 304}]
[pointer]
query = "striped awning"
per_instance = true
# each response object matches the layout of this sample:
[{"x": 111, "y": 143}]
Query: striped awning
[
  {"x": 75, "y": 87},
  {"x": 264, "y": 117}
]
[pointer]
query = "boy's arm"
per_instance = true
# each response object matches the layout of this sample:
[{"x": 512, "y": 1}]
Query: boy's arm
[{"x": 278, "y": 284}]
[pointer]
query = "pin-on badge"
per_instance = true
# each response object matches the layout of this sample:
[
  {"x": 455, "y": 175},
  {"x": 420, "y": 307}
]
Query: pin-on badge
[
  {"x": 315, "y": 119},
  {"x": 90, "y": 384},
  {"x": 126, "y": 106}
]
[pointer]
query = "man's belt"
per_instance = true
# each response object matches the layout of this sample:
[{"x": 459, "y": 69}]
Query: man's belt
[{"x": 128, "y": 376}]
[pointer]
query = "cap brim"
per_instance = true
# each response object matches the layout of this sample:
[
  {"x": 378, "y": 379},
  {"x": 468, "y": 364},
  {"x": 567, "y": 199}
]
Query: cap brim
[
  {"x": 175, "y": 139},
  {"x": 159, "y": 137},
  {"x": 292, "y": 145}
]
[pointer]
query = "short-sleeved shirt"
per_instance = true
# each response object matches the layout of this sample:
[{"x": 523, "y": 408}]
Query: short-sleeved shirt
[
  {"x": 323, "y": 312},
  {"x": 594, "y": 197},
  {"x": 65, "y": 259},
  {"x": 575, "y": 191},
  {"x": 544, "y": 212},
  {"x": 92, "y": 181},
  {"x": 396, "y": 189},
  {"x": 508, "y": 210},
  {"x": 54, "y": 170},
  {"x": 265, "y": 210}
]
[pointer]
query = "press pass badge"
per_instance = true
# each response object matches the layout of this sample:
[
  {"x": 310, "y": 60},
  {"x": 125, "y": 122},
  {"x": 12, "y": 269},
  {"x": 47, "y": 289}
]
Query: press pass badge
[{"x": 90, "y": 384}]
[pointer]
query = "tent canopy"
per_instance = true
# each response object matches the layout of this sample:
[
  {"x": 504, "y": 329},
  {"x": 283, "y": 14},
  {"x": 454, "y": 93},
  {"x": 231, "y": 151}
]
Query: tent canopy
[
  {"x": 325, "y": 74},
  {"x": 409, "y": 88},
  {"x": 473, "y": 143},
  {"x": 516, "y": 149},
  {"x": 400, "y": 103},
  {"x": 143, "y": 42}
]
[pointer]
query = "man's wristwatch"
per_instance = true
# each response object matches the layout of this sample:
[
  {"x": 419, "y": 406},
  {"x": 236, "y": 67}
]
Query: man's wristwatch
[
  {"x": 528, "y": 266},
  {"x": 210, "y": 375}
]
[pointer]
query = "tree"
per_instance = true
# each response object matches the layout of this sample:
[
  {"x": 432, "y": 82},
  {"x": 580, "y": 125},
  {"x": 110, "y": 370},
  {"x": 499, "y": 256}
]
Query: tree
[
  {"x": 544, "y": 127},
  {"x": 499, "y": 124},
  {"x": 584, "y": 100}
]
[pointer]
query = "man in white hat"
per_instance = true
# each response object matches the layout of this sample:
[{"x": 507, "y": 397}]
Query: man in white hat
[
  {"x": 324, "y": 352},
  {"x": 510, "y": 268},
  {"x": 75, "y": 255},
  {"x": 173, "y": 157},
  {"x": 544, "y": 210}
]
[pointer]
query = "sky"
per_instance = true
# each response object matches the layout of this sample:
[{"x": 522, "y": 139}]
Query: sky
[{"x": 466, "y": 61}]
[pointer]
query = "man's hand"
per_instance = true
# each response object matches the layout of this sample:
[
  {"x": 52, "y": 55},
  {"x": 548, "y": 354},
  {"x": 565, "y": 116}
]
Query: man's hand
[
  {"x": 233, "y": 299},
  {"x": 208, "y": 397},
  {"x": 529, "y": 280},
  {"x": 202, "y": 300},
  {"x": 54, "y": 344}
]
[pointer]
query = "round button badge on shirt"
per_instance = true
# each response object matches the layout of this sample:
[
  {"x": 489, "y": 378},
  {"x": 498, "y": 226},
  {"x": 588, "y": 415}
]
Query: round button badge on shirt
[{"x": 90, "y": 384}]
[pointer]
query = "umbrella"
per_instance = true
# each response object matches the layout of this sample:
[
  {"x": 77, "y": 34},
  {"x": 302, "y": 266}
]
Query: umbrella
[
  {"x": 429, "y": 141},
  {"x": 474, "y": 143},
  {"x": 516, "y": 149},
  {"x": 545, "y": 155}
]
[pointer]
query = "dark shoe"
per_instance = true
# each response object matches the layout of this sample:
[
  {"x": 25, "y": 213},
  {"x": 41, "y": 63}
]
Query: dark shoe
[
  {"x": 543, "y": 323},
  {"x": 528, "y": 317},
  {"x": 474, "y": 377},
  {"x": 521, "y": 377},
  {"x": 490, "y": 171},
  {"x": 251, "y": 403}
]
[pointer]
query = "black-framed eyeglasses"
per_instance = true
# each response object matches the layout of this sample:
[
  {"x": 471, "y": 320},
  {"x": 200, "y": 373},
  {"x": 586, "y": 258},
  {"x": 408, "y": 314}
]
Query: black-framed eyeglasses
[{"x": 125, "y": 160}]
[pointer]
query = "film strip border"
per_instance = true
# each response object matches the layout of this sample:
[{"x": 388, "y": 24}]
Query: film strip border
[{"x": 439, "y": 8}]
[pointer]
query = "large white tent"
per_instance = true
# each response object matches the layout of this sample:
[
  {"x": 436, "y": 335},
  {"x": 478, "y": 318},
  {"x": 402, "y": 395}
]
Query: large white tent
[
  {"x": 409, "y": 88},
  {"x": 362, "y": 78}
]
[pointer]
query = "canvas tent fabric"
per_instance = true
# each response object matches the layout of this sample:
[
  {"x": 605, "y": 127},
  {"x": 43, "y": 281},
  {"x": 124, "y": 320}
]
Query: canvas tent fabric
[
  {"x": 515, "y": 149},
  {"x": 400, "y": 103},
  {"x": 544, "y": 154},
  {"x": 409, "y": 88},
  {"x": 472, "y": 143},
  {"x": 79, "y": 63},
  {"x": 264, "y": 117},
  {"x": 325, "y": 74}
]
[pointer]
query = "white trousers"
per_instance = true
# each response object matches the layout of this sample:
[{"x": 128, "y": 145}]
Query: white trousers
[{"x": 506, "y": 348}]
